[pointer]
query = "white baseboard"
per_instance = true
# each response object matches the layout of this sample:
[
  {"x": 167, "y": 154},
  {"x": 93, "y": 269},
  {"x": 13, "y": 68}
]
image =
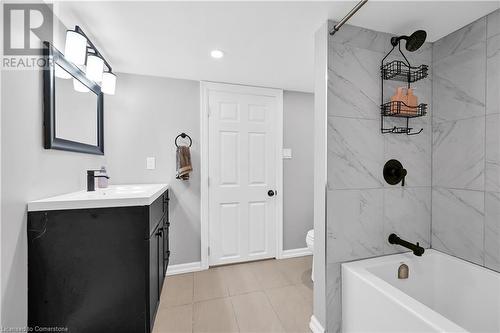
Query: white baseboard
[
  {"x": 293, "y": 253},
  {"x": 184, "y": 268},
  {"x": 197, "y": 266},
  {"x": 315, "y": 326}
]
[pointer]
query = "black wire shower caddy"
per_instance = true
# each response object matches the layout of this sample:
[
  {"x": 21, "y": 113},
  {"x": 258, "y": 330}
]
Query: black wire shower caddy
[{"x": 403, "y": 71}]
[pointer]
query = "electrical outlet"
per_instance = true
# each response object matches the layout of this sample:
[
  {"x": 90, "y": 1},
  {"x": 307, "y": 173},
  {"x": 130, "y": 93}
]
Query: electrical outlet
[{"x": 150, "y": 163}]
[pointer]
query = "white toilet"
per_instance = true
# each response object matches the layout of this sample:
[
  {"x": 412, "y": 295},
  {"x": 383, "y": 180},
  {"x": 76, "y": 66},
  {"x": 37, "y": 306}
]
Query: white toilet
[{"x": 310, "y": 245}]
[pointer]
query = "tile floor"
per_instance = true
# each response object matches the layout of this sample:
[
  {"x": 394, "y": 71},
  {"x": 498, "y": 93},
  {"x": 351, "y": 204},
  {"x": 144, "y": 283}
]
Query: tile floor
[{"x": 265, "y": 296}]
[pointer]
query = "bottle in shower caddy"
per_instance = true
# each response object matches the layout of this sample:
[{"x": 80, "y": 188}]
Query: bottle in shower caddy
[
  {"x": 412, "y": 101},
  {"x": 406, "y": 96}
]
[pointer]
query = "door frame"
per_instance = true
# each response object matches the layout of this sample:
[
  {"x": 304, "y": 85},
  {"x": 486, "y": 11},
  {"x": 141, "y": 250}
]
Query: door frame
[{"x": 205, "y": 88}]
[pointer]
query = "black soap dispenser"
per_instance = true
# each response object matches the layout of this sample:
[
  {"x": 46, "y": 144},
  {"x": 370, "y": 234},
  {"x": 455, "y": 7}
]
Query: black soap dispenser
[{"x": 394, "y": 173}]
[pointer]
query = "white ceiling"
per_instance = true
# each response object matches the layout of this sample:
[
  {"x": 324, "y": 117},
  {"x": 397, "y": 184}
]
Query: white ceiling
[{"x": 265, "y": 43}]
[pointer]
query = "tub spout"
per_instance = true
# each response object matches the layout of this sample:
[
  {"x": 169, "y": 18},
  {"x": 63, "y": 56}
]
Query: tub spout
[
  {"x": 416, "y": 248},
  {"x": 403, "y": 271}
]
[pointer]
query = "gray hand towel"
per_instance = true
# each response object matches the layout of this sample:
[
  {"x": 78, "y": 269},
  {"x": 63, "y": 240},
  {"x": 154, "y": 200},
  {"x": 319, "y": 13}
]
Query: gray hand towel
[{"x": 183, "y": 159}]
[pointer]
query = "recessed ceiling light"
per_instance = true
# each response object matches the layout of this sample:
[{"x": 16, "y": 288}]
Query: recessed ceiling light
[{"x": 217, "y": 54}]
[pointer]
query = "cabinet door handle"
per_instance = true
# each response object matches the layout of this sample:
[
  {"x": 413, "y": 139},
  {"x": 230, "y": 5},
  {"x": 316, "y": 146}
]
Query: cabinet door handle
[{"x": 160, "y": 232}]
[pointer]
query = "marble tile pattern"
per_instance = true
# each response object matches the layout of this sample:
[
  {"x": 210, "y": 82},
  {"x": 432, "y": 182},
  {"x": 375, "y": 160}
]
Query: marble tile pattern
[
  {"x": 354, "y": 117},
  {"x": 492, "y": 231},
  {"x": 458, "y": 153},
  {"x": 407, "y": 212},
  {"x": 466, "y": 143},
  {"x": 493, "y": 23},
  {"x": 354, "y": 81},
  {"x": 413, "y": 152},
  {"x": 355, "y": 153},
  {"x": 362, "y": 209},
  {"x": 492, "y": 153},
  {"x": 334, "y": 298},
  {"x": 458, "y": 223},
  {"x": 460, "y": 39},
  {"x": 493, "y": 75},
  {"x": 355, "y": 224},
  {"x": 362, "y": 38},
  {"x": 458, "y": 84},
  {"x": 492, "y": 172}
]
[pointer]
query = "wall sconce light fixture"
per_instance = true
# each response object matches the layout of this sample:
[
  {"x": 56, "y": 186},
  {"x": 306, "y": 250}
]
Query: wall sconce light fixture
[
  {"x": 75, "y": 49},
  {"x": 80, "y": 50}
]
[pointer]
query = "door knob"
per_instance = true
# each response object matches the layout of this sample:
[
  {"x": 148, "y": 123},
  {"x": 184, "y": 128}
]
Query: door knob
[{"x": 271, "y": 193}]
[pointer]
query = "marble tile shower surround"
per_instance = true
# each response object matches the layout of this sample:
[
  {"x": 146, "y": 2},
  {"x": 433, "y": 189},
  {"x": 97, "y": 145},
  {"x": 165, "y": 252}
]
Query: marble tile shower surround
[
  {"x": 457, "y": 223},
  {"x": 492, "y": 154},
  {"x": 493, "y": 24},
  {"x": 466, "y": 143},
  {"x": 361, "y": 208},
  {"x": 354, "y": 119},
  {"x": 492, "y": 230},
  {"x": 492, "y": 81},
  {"x": 453, "y": 165},
  {"x": 360, "y": 228},
  {"x": 459, "y": 81},
  {"x": 459, "y": 154},
  {"x": 460, "y": 39}
]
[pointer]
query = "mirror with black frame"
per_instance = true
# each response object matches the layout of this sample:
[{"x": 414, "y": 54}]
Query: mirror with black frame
[{"x": 73, "y": 107}]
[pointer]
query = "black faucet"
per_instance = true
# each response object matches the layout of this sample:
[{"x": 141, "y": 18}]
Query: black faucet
[
  {"x": 91, "y": 176},
  {"x": 417, "y": 249}
]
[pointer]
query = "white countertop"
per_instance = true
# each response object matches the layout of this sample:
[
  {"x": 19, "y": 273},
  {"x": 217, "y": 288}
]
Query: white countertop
[{"x": 113, "y": 196}]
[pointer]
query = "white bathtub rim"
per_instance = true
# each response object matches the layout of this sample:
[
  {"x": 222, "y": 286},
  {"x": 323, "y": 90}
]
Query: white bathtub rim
[
  {"x": 410, "y": 304},
  {"x": 374, "y": 261}
]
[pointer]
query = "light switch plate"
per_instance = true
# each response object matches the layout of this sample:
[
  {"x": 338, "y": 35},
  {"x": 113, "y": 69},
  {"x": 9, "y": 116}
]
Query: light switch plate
[
  {"x": 150, "y": 163},
  {"x": 287, "y": 153}
]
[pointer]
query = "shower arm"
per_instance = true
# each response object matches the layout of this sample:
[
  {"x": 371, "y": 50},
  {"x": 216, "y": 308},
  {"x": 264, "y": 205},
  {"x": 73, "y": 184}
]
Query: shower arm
[{"x": 347, "y": 17}]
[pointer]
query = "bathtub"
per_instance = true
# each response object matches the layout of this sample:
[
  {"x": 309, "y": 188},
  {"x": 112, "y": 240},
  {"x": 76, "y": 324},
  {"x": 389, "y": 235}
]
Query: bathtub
[{"x": 442, "y": 294}]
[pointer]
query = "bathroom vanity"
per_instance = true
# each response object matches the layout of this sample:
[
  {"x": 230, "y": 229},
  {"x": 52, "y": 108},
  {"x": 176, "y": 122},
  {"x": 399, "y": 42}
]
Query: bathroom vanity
[{"x": 97, "y": 260}]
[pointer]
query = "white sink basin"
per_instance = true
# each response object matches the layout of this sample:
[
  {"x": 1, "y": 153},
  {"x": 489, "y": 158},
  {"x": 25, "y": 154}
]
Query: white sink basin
[{"x": 113, "y": 196}]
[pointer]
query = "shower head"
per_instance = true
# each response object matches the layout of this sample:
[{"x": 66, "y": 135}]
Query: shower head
[{"x": 413, "y": 42}]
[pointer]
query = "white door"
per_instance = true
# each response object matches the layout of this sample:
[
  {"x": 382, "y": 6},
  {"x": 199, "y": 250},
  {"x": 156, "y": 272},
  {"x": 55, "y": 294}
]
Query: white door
[{"x": 243, "y": 148}]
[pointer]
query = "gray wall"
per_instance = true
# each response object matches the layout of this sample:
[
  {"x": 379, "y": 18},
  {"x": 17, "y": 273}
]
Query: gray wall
[
  {"x": 142, "y": 120},
  {"x": 362, "y": 209},
  {"x": 144, "y": 117},
  {"x": 466, "y": 144},
  {"x": 298, "y": 134},
  {"x": 28, "y": 172}
]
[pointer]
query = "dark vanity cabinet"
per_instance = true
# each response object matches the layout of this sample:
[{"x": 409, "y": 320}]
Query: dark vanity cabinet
[{"x": 97, "y": 270}]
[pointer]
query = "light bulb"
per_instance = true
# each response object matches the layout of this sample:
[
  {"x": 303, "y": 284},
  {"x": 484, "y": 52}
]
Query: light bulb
[
  {"x": 75, "y": 49},
  {"x": 108, "y": 83},
  {"x": 95, "y": 67}
]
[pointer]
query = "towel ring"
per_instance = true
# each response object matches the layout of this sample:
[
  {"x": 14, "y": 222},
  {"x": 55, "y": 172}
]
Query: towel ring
[{"x": 183, "y": 135}]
